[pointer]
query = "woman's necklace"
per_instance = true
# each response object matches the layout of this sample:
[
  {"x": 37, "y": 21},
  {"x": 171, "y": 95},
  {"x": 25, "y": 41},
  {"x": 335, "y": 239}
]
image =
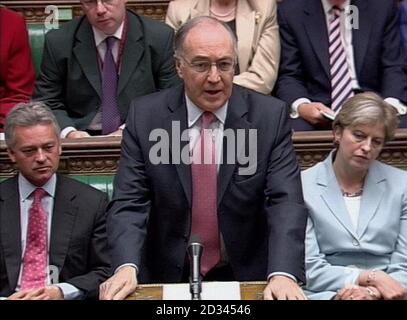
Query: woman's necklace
[{"x": 352, "y": 194}]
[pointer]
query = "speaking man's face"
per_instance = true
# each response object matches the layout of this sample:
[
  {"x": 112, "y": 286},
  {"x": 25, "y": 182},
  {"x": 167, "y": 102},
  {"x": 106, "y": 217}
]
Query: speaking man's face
[
  {"x": 207, "y": 65},
  {"x": 36, "y": 151}
]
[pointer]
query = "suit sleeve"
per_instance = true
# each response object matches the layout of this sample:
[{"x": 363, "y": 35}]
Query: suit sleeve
[
  {"x": 284, "y": 205},
  {"x": 398, "y": 262},
  {"x": 321, "y": 275},
  {"x": 290, "y": 85},
  {"x": 163, "y": 60},
  {"x": 171, "y": 17},
  {"x": 394, "y": 59},
  {"x": 49, "y": 87},
  {"x": 129, "y": 209},
  {"x": 19, "y": 72},
  {"x": 98, "y": 259},
  {"x": 262, "y": 72}
]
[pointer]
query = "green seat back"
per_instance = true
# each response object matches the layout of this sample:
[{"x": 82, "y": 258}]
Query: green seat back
[{"x": 36, "y": 33}]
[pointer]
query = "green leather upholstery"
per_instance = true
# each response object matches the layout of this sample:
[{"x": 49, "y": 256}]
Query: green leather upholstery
[
  {"x": 103, "y": 183},
  {"x": 36, "y": 33}
]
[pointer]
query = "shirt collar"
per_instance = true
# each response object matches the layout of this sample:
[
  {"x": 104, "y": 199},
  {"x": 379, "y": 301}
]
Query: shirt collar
[
  {"x": 328, "y": 6},
  {"x": 26, "y": 188},
  {"x": 194, "y": 112},
  {"x": 100, "y": 36}
]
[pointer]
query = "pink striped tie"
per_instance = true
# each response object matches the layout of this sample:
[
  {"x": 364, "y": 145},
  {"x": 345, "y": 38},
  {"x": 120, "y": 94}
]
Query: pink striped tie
[
  {"x": 341, "y": 80},
  {"x": 204, "y": 189},
  {"x": 35, "y": 256}
]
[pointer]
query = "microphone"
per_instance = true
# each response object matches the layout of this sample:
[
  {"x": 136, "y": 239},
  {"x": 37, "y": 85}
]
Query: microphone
[{"x": 195, "y": 281}]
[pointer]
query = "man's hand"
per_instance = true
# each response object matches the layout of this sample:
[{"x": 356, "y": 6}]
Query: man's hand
[
  {"x": 120, "y": 285},
  {"x": 283, "y": 288},
  {"x": 46, "y": 293},
  {"x": 77, "y": 134},
  {"x": 311, "y": 112}
]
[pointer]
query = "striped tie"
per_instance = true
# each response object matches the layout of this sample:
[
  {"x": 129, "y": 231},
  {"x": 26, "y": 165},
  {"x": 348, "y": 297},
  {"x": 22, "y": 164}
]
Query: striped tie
[{"x": 340, "y": 76}]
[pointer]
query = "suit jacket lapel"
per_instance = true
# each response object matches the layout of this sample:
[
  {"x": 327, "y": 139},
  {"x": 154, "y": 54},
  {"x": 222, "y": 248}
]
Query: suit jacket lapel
[
  {"x": 245, "y": 28},
  {"x": 10, "y": 230},
  {"x": 316, "y": 29},
  {"x": 332, "y": 196},
  {"x": 237, "y": 109},
  {"x": 360, "y": 36},
  {"x": 63, "y": 219},
  {"x": 87, "y": 56},
  {"x": 372, "y": 195},
  {"x": 178, "y": 119},
  {"x": 133, "y": 51}
]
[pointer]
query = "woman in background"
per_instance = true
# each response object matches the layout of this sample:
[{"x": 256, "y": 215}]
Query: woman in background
[
  {"x": 254, "y": 23},
  {"x": 356, "y": 242},
  {"x": 16, "y": 68}
]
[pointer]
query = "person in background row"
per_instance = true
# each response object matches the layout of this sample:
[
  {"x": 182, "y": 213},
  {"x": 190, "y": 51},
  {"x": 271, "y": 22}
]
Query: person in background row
[
  {"x": 249, "y": 215},
  {"x": 254, "y": 23},
  {"x": 356, "y": 243},
  {"x": 16, "y": 68},
  {"x": 52, "y": 228},
  {"x": 333, "y": 49},
  {"x": 92, "y": 67}
]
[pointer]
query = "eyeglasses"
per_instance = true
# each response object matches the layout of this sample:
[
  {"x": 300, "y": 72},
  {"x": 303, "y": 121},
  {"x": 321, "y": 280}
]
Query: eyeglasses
[
  {"x": 203, "y": 66},
  {"x": 90, "y": 4}
]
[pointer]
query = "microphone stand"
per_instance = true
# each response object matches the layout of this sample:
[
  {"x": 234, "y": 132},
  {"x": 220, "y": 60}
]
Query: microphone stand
[{"x": 195, "y": 280}]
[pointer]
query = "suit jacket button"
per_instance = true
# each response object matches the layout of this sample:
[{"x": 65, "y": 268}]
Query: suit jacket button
[{"x": 355, "y": 243}]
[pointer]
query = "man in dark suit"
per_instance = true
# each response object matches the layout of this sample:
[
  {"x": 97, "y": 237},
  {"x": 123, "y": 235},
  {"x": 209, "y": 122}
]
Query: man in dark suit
[
  {"x": 72, "y": 81},
  {"x": 255, "y": 207},
  {"x": 375, "y": 57},
  {"x": 52, "y": 229}
]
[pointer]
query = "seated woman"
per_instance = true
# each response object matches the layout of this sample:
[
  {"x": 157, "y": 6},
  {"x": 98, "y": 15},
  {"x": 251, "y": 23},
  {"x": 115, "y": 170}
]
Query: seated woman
[
  {"x": 356, "y": 241},
  {"x": 254, "y": 23},
  {"x": 16, "y": 68}
]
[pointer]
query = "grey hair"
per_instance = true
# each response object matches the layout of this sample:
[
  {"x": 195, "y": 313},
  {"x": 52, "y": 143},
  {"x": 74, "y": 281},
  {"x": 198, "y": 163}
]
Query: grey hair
[
  {"x": 182, "y": 33},
  {"x": 27, "y": 115},
  {"x": 367, "y": 108}
]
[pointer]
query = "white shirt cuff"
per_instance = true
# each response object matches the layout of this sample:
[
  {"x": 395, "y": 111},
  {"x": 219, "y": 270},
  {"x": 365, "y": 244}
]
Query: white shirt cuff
[
  {"x": 67, "y": 131},
  {"x": 70, "y": 292},
  {"x": 122, "y": 126},
  {"x": 285, "y": 274},
  {"x": 400, "y": 107},
  {"x": 126, "y": 265},
  {"x": 294, "y": 107}
]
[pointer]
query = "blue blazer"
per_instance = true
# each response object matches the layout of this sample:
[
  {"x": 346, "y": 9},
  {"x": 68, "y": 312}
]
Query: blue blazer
[
  {"x": 380, "y": 60},
  {"x": 335, "y": 251}
]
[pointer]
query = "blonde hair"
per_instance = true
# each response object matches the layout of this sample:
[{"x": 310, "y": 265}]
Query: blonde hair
[{"x": 367, "y": 108}]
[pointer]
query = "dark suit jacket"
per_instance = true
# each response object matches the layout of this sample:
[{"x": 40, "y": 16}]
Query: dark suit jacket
[
  {"x": 70, "y": 80},
  {"x": 16, "y": 68},
  {"x": 78, "y": 245},
  {"x": 380, "y": 59},
  {"x": 261, "y": 216}
]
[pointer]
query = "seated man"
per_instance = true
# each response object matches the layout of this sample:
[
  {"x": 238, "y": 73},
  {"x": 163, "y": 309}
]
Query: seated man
[
  {"x": 52, "y": 228},
  {"x": 248, "y": 213},
  {"x": 330, "y": 51},
  {"x": 92, "y": 67},
  {"x": 16, "y": 68}
]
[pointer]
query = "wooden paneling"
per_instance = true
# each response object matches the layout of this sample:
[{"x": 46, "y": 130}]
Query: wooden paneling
[{"x": 100, "y": 156}]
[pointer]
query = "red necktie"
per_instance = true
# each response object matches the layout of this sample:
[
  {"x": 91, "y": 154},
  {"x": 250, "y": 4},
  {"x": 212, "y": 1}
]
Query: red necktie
[
  {"x": 204, "y": 190},
  {"x": 35, "y": 256}
]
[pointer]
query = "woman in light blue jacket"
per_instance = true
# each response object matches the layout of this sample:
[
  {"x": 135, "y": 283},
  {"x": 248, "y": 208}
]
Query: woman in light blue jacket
[{"x": 356, "y": 242}]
